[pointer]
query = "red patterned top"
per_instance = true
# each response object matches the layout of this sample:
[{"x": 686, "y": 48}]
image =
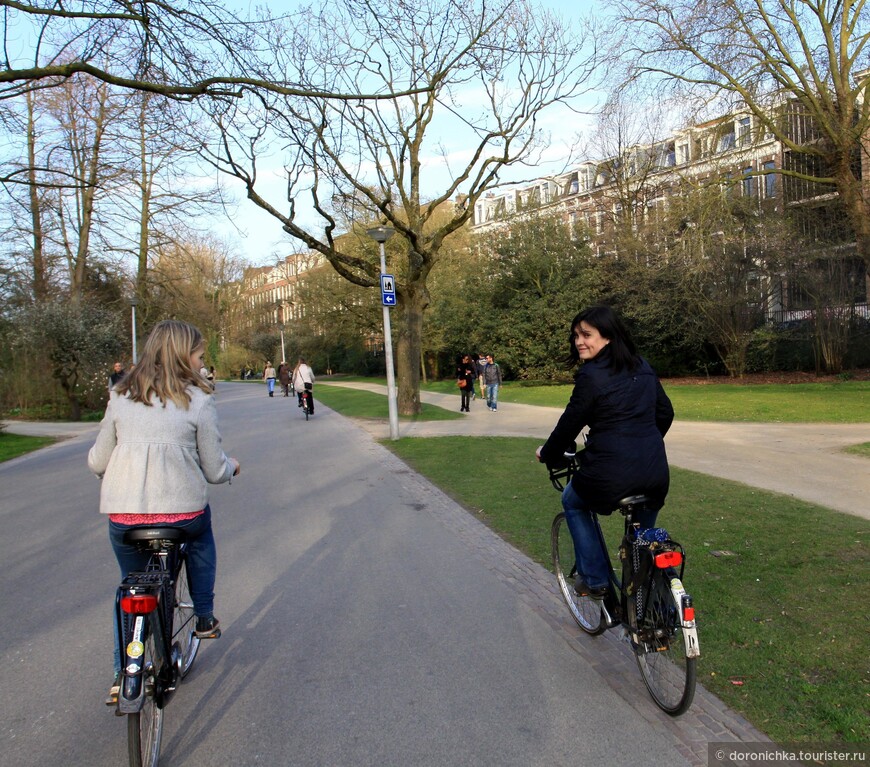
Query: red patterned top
[{"x": 134, "y": 520}]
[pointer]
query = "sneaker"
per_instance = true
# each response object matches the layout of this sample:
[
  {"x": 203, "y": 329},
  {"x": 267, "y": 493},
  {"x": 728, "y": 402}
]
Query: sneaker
[
  {"x": 115, "y": 690},
  {"x": 207, "y": 627},
  {"x": 597, "y": 593}
]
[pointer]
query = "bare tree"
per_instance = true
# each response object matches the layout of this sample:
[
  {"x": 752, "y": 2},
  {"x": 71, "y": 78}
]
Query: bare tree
[
  {"x": 795, "y": 64},
  {"x": 180, "y": 49},
  {"x": 485, "y": 73},
  {"x": 194, "y": 279},
  {"x": 166, "y": 192},
  {"x": 84, "y": 168}
]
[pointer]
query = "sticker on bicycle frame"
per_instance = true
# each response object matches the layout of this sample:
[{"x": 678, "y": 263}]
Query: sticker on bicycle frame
[
  {"x": 135, "y": 649},
  {"x": 132, "y": 669}
]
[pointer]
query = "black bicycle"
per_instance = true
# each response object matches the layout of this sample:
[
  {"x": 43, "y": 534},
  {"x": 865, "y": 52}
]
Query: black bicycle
[
  {"x": 156, "y": 627},
  {"x": 648, "y": 601}
]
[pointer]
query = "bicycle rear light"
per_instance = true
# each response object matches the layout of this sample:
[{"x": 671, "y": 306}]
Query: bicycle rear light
[
  {"x": 138, "y": 604},
  {"x": 668, "y": 559},
  {"x": 688, "y": 609}
]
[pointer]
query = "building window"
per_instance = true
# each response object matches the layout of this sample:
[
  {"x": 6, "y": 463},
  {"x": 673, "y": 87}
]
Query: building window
[
  {"x": 748, "y": 182},
  {"x": 743, "y": 128},
  {"x": 769, "y": 180},
  {"x": 682, "y": 154},
  {"x": 726, "y": 142}
]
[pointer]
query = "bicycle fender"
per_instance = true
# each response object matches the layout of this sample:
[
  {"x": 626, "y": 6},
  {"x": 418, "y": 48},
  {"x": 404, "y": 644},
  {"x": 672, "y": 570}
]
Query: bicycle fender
[
  {"x": 690, "y": 631},
  {"x": 132, "y": 694}
]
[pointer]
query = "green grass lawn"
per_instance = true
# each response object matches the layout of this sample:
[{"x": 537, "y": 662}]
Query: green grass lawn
[
  {"x": 834, "y": 402},
  {"x": 779, "y": 585},
  {"x": 841, "y": 402},
  {"x": 863, "y": 449},
  {"x": 13, "y": 445},
  {"x": 366, "y": 404}
]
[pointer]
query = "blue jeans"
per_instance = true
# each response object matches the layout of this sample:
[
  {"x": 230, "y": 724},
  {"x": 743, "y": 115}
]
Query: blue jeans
[
  {"x": 201, "y": 564},
  {"x": 593, "y": 564},
  {"x": 271, "y": 383},
  {"x": 492, "y": 396}
]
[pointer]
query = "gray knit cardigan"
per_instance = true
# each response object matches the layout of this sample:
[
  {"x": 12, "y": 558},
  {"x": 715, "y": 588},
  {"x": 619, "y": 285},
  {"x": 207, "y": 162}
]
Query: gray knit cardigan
[{"x": 158, "y": 460}]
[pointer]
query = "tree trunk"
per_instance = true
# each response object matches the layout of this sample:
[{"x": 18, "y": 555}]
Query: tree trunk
[
  {"x": 413, "y": 302},
  {"x": 853, "y": 195},
  {"x": 39, "y": 268}
]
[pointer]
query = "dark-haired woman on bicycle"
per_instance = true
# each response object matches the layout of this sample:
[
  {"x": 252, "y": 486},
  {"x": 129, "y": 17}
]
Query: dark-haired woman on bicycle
[
  {"x": 157, "y": 451},
  {"x": 619, "y": 397}
]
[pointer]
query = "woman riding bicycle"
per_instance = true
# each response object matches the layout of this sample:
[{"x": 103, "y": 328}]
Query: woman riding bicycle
[
  {"x": 303, "y": 378},
  {"x": 618, "y": 396},
  {"x": 157, "y": 450}
]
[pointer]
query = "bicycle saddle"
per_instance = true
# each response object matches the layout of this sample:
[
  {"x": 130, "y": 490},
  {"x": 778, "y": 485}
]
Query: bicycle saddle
[
  {"x": 137, "y": 534},
  {"x": 632, "y": 502}
]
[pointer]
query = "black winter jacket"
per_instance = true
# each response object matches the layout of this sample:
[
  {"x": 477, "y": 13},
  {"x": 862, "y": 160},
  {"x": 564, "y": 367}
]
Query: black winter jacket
[{"x": 628, "y": 414}]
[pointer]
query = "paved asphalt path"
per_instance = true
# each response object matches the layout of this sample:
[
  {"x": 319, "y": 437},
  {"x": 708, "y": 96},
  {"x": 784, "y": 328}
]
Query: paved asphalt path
[{"x": 368, "y": 620}]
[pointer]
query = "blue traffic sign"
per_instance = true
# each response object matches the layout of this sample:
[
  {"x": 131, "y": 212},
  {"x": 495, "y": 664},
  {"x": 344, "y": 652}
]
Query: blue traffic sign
[{"x": 388, "y": 290}]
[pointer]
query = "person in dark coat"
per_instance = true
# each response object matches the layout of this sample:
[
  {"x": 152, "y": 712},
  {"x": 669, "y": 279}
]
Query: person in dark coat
[
  {"x": 466, "y": 371},
  {"x": 619, "y": 397}
]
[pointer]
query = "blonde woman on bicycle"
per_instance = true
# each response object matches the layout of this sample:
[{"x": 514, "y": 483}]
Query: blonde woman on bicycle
[{"x": 157, "y": 451}]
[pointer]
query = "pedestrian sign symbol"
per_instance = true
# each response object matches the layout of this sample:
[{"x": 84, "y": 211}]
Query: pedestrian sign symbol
[{"x": 388, "y": 290}]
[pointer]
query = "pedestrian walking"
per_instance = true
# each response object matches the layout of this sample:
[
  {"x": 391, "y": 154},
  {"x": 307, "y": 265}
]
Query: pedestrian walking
[
  {"x": 116, "y": 375},
  {"x": 284, "y": 377},
  {"x": 466, "y": 374},
  {"x": 492, "y": 380},
  {"x": 269, "y": 377}
]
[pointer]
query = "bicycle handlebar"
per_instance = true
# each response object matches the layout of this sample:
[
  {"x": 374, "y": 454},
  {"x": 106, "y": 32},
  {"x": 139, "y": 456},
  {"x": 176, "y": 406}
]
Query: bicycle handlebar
[{"x": 561, "y": 473}]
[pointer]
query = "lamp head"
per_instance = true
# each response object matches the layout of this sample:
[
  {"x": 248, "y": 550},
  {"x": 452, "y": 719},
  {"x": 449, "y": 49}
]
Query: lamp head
[{"x": 381, "y": 233}]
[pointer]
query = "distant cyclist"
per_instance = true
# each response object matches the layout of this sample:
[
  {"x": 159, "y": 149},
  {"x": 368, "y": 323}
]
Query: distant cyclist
[
  {"x": 303, "y": 378},
  {"x": 618, "y": 396},
  {"x": 157, "y": 450}
]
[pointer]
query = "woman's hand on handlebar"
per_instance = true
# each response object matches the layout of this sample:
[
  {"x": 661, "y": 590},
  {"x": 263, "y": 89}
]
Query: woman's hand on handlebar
[
  {"x": 238, "y": 467},
  {"x": 538, "y": 453}
]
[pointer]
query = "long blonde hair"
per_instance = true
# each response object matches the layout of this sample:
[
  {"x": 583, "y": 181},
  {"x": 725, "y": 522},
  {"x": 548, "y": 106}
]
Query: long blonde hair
[{"x": 164, "y": 368}]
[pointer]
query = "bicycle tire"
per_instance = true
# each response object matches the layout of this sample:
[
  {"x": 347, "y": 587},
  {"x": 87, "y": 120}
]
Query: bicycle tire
[
  {"x": 184, "y": 639},
  {"x": 585, "y": 611},
  {"x": 145, "y": 727},
  {"x": 661, "y": 655}
]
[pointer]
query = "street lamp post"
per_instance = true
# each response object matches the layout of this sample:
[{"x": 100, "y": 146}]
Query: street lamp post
[
  {"x": 381, "y": 234},
  {"x": 283, "y": 355},
  {"x": 134, "y": 301}
]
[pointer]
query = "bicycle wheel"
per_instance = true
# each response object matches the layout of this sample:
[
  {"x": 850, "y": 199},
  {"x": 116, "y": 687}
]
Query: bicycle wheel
[
  {"x": 668, "y": 673},
  {"x": 585, "y": 611},
  {"x": 184, "y": 640},
  {"x": 145, "y": 727}
]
